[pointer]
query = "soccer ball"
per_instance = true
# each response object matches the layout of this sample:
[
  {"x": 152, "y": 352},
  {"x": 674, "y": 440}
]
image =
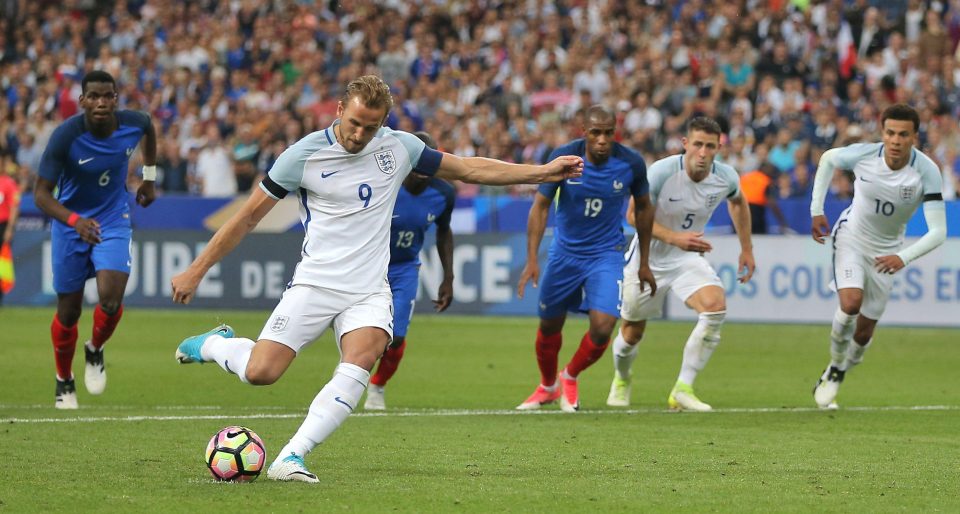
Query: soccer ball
[{"x": 235, "y": 454}]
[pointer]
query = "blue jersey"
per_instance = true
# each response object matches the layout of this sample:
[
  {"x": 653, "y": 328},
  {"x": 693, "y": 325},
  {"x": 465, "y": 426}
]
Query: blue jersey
[
  {"x": 590, "y": 207},
  {"x": 413, "y": 215},
  {"x": 91, "y": 173}
]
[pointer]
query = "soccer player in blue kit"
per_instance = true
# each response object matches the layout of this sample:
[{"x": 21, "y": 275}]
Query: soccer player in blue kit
[
  {"x": 584, "y": 270},
  {"x": 421, "y": 202},
  {"x": 86, "y": 160}
]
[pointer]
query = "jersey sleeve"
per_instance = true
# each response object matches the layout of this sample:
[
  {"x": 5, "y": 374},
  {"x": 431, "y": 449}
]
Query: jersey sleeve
[
  {"x": 657, "y": 175},
  {"x": 138, "y": 119},
  {"x": 286, "y": 175},
  {"x": 846, "y": 158},
  {"x": 732, "y": 179},
  {"x": 425, "y": 161},
  {"x": 639, "y": 186},
  {"x": 54, "y": 157},
  {"x": 449, "y": 194},
  {"x": 930, "y": 179}
]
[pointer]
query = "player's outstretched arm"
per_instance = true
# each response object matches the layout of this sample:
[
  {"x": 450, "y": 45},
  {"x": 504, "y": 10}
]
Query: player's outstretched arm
[
  {"x": 223, "y": 242},
  {"x": 87, "y": 228},
  {"x": 146, "y": 192},
  {"x": 740, "y": 215},
  {"x": 536, "y": 226},
  {"x": 481, "y": 170},
  {"x": 445, "y": 249}
]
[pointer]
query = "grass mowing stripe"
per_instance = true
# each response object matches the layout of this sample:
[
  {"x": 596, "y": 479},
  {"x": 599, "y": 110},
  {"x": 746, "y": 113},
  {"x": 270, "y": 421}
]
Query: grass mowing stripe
[{"x": 476, "y": 412}]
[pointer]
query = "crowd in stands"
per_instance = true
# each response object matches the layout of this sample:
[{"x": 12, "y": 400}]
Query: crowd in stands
[{"x": 231, "y": 83}]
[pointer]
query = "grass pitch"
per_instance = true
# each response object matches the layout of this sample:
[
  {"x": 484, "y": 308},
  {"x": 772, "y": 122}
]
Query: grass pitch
[{"x": 452, "y": 443}]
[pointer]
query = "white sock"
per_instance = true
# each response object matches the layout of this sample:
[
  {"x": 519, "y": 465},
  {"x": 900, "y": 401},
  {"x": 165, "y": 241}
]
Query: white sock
[
  {"x": 329, "y": 409},
  {"x": 231, "y": 354},
  {"x": 700, "y": 345},
  {"x": 841, "y": 334},
  {"x": 855, "y": 354},
  {"x": 623, "y": 356}
]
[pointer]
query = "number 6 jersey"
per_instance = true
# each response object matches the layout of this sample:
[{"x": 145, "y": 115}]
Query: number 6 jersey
[{"x": 90, "y": 172}]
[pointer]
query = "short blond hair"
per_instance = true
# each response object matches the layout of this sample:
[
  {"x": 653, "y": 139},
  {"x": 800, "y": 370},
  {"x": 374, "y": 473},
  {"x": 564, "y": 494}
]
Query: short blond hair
[{"x": 372, "y": 92}]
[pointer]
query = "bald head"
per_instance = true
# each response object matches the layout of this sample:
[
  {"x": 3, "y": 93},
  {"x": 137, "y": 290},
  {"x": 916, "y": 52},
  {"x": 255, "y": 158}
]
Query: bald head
[
  {"x": 599, "y": 127},
  {"x": 599, "y": 114}
]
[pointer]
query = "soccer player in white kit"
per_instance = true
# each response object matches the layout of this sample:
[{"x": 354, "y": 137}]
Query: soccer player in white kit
[
  {"x": 685, "y": 190},
  {"x": 347, "y": 178},
  {"x": 892, "y": 179}
]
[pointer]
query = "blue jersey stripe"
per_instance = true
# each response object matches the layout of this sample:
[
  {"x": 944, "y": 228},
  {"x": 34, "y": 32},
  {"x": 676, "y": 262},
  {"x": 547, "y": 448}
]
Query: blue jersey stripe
[{"x": 306, "y": 222}]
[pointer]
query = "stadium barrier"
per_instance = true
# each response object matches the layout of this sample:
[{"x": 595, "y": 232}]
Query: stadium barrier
[{"x": 791, "y": 284}]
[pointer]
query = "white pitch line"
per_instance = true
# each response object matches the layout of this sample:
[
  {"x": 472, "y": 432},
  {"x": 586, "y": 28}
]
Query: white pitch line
[{"x": 473, "y": 412}]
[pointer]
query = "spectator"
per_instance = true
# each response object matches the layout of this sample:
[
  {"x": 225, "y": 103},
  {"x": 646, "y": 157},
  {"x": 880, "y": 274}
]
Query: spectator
[{"x": 214, "y": 167}]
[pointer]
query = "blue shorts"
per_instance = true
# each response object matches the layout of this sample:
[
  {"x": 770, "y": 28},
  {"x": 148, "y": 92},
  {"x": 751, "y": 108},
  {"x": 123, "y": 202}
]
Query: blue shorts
[
  {"x": 74, "y": 261},
  {"x": 404, "y": 280},
  {"x": 581, "y": 285}
]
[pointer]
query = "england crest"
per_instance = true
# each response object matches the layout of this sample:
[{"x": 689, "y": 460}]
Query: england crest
[
  {"x": 907, "y": 193},
  {"x": 278, "y": 323},
  {"x": 712, "y": 200},
  {"x": 386, "y": 161}
]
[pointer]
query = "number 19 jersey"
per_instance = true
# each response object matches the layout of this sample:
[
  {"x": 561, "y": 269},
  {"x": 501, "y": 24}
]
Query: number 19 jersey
[{"x": 589, "y": 207}]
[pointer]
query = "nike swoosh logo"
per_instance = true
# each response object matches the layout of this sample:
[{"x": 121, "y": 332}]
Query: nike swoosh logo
[
  {"x": 329, "y": 174},
  {"x": 339, "y": 400},
  {"x": 81, "y": 162},
  {"x": 863, "y": 180},
  {"x": 675, "y": 199},
  {"x": 395, "y": 216},
  {"x": 226, "y": 364},
  {"x": 573, "y": 182}
]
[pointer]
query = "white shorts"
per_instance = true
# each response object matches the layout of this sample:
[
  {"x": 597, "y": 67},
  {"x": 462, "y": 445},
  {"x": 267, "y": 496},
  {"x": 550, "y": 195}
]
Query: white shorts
[
  {"x": 305, "y": 312},
  {"x": 854, "y": 268},
  {"x": 684, "y": 277}
]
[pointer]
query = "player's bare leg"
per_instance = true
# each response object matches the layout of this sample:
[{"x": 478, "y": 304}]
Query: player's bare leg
[
  {"x": 360, "y": 350},
  {"x": 111, "y": 285},
  {"x": 625, "y": 348},
  {"x": 63, "y": 333},
  {"x": 591, "y": 348},
  {"x": 846, "y": 322},
  {"x": 549, "y": 340},
  {"x": 389, "y": 362},
  {"x": 710, "y": 303}
]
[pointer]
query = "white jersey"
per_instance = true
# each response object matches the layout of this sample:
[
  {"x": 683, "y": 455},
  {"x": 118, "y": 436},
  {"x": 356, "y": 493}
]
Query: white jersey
[
  {"x": 683, "y": 205},
  {"x": 346, "y": 204},
  {"x": 884, "y": 200}
]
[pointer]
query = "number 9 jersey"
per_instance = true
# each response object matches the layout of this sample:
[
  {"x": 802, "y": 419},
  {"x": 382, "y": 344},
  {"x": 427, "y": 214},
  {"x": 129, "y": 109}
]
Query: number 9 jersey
[{"x": 346, "y": 203}]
